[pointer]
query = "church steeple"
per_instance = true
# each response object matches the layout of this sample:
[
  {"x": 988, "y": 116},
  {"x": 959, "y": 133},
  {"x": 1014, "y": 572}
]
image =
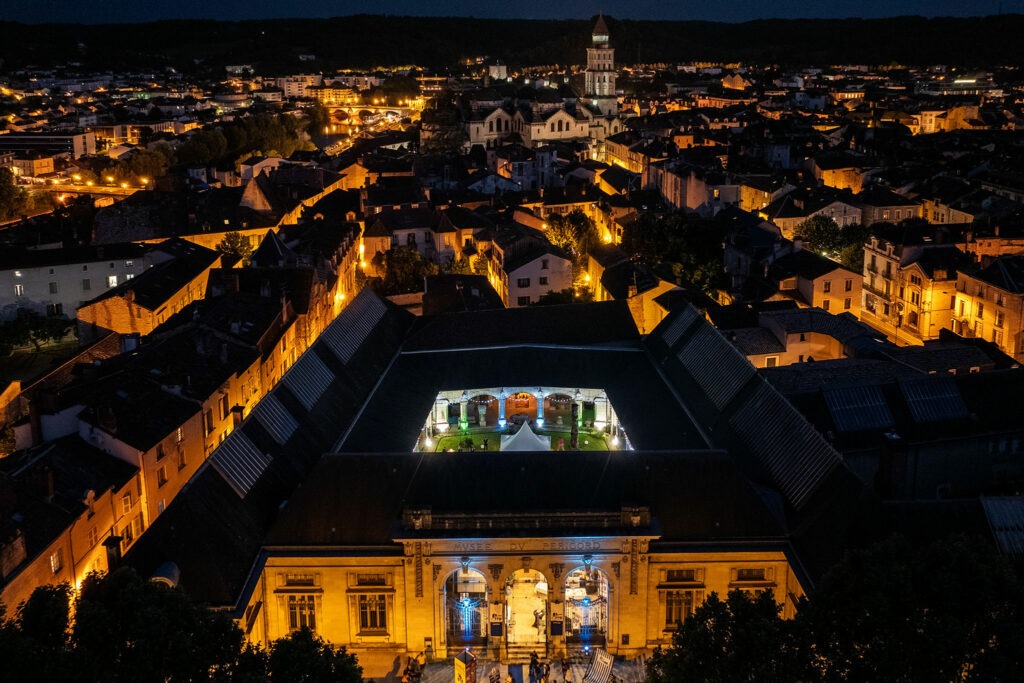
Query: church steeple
[
  {"x": 600, "y": 75},
  {"x": 599, "y": 35}
]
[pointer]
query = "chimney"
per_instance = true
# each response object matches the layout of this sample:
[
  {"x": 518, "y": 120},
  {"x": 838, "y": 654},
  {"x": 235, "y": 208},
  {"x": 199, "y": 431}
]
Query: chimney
[
  {"x": 113, "y": 546},
  {"x": 284, "y": 309},
  {"x": 129, "y": 342}
]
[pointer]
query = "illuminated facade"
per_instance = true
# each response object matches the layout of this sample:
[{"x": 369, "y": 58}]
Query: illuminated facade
[
  {"x": 600, "y": 74},
  {"x": 396, "y": 544}
]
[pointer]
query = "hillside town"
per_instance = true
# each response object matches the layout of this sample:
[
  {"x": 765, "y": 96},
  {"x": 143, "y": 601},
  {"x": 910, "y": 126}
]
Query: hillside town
[{"x": 206, "y": 284}]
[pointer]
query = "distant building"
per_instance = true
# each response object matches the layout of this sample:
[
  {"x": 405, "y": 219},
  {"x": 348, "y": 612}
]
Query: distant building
[{"x": 990, "y": 305}]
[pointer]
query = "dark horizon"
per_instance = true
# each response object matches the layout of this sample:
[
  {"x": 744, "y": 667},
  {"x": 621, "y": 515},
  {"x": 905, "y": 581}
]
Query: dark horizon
[{"x": 93, "y": 12}]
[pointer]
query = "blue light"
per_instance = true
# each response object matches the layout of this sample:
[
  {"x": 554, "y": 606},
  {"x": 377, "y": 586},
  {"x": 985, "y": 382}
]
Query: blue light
[{"x": 466, "y": 605}]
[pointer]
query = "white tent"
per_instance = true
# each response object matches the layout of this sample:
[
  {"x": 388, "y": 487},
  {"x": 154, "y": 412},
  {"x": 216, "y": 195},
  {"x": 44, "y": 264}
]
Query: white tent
[{"x": 525, "y": 440}]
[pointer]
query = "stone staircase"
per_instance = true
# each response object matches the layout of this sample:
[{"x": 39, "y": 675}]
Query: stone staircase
[{"x": 631, "y": 671}]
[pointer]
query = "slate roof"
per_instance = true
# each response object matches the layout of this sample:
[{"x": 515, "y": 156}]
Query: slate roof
[
  {"x": 803, "y": 263},
  {"x": 369, "y": 492},
  {"x": 1006, "y": 273},
  {"x": 245, "y": 496},
  {"x": 156, "y": 285},
  {"x": 365, "y": 387}
]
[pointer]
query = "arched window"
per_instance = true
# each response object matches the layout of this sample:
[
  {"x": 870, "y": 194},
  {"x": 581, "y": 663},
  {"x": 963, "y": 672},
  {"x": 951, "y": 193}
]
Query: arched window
[{"x": 490, "y": 126}]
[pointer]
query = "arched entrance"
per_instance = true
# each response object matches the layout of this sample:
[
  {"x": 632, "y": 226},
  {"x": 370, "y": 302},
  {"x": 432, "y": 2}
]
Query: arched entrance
[
  {"x": 558, "y": 410},
  {"x": 483, "y": 411},
  {"x": 526, "y": 602},
  {"x": 465, "y": 599},
  {"x": 520, "y": 407},
  {"x": 586, "y": 606}
]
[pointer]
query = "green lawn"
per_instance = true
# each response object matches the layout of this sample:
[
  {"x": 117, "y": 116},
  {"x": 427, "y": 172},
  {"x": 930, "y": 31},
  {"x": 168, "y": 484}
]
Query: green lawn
[{"x": 588, "y": 442}]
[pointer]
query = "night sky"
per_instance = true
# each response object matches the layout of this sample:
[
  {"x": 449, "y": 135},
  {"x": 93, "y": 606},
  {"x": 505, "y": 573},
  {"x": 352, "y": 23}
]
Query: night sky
[{"x": 119, "y": 11}]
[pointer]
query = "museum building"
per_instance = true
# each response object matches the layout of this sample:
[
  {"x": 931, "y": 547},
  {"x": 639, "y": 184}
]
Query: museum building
[{"x": 530, "y": 480}]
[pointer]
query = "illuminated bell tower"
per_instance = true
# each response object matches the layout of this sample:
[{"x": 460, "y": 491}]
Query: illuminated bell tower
[{"x": 600, "y": 75}]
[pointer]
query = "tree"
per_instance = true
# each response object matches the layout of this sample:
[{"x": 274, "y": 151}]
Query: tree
[
  {"x": 28, "y": 327},
  {"x": 821, "y": 234},
  {"x": 573, "y": 232},
  {"x": 459, "y": 266},
  {"x": 128, "y": 629},
  {"x": 302, "y": 656},
  {"x": 319, "y": 118},
  {"x": 566, "y": 296},
  {"x": 899, "y": 611},
  {"x": 740, "y": 639},
  {"x": 13, "y": 199},
  {"x": 236, "y": 244},
  {"x": 404, "y": 270}
]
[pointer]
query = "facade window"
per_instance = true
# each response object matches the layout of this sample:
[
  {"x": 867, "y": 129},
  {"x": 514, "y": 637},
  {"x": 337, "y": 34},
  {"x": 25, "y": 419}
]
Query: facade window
[
  {"x": 523, "y": 301},
  {"x": 94, "y": 537},
  {"x": 680, "y": 575},
  {"x": 129, "y": 276},
  {"x": 301, "y": 612},
  {"x": 126, "y": 503},
  {"x": 827, "y": 286},
  {"x": 207, "y": 422},
  {"x": 54, "y": 310},
  {"x": 373, "y": 613},
  {"x": 161, "y": 476},
  {"x": 137, "y": 525},
  {"x": 181, "y": 459},
  {"x": 678, "y": 606},
  {"x": 523, "y": 282},
  {"x": 825, "y": 304},
  {"x": 771, "y": 362},
  {"x": 17, "y": 273},
  {"x": 180, "y": 434},
  {"x": 111, "y": 281},
  {"x": 224, "y": 409},
  {"x": 751, "y": 574},
  {"x": 53, "y": 288},
  {"x": 1000, "y": 318},
  {"x": 544, "y": 264},
  {"x": 371, "y": 579},
  {"x": 847, "y": 302},
  {"x": 542, "y": 281},
  {"x": 19, "y": 290},
  {"x": 849, "y": 286},
  {"x": 980, "y": 313},
  {"x": 128, "y": 264},
  {"x": 57, "y": 560},
  {"x": 86, "y": 285}
]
